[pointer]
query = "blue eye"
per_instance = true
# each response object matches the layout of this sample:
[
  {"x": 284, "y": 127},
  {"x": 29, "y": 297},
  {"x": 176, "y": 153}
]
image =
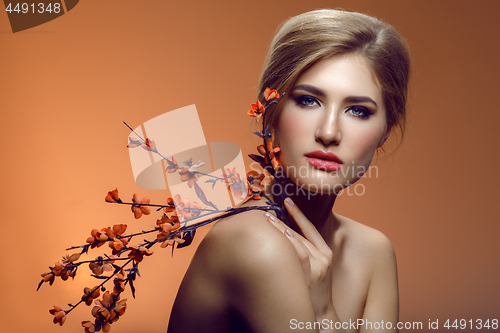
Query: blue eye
[
  {"x": 306, "y": 101},
  {"x": 359, "y": 111}
]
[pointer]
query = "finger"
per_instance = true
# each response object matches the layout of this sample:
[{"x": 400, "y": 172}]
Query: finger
[
  {"x": 310, "y": 249},
  {"x": 302, "y": 251},
  {"x": 308, "y": 229},
  {"x": 278, "y": 224}
]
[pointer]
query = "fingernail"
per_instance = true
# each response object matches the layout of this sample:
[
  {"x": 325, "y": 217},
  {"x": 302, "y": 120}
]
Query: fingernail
[
  {"x": 270, "y": 217},
  {"x": 290, "y": 202},
  {"x": 288, "y": 233}
]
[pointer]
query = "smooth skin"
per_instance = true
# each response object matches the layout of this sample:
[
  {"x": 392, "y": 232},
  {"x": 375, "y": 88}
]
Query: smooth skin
[{"x": 252, "y": 273}]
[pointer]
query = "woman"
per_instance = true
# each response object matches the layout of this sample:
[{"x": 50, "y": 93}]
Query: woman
[{"x": 345, "y": 79}]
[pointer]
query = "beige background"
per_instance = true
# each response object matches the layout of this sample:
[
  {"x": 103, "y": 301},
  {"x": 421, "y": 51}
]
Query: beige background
[{"x": 65, "y": 87}]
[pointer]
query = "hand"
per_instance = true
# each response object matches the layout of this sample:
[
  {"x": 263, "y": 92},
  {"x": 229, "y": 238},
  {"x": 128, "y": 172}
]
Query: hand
[{"x": 315, "y": 257}]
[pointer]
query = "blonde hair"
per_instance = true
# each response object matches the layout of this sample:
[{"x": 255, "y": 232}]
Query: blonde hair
[{"x": 305, "y": 39}]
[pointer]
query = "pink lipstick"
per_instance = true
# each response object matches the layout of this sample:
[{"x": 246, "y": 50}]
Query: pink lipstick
[{"x": 324, "y": 160}]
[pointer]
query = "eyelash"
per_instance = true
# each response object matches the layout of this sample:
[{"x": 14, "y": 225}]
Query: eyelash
[
  {"x": 305, "y": 101},
  {"x": 365, "y": 113},
  {"x": 301, "y": 101}
]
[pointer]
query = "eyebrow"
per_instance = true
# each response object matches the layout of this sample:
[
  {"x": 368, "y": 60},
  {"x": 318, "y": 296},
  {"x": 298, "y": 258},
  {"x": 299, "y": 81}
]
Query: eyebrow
[
  {"x": 360, "y": 99},
  {"x": 321, "y": 93},
  {"x": 311, "y": 89}
]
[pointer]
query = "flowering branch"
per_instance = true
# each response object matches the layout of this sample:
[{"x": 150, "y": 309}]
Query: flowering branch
[{"x": 173, "y": 229}]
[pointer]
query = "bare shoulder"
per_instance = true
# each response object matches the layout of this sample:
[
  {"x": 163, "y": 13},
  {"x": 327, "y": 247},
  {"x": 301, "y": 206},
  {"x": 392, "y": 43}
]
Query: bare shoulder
[
  {"x": 244, "y": 244},
  {"x": 237, "y": 251},
  {"x": 240, "y": 262},
  {"x": 366, "y": 243}
]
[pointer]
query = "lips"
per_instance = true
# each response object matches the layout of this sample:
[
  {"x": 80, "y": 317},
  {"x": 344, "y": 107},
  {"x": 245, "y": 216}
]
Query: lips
[{"x": 324, "y": 160}]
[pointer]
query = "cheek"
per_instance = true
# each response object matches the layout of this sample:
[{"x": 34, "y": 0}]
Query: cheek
[
  {"x": 290, "y": 130},
  {"x": 290, "y": 136},
  {"x": 365, "y": 144}
]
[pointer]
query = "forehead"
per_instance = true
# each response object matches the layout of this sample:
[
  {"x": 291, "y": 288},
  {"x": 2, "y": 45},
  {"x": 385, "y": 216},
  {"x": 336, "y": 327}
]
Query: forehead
[{"x": 343, "y": 74}]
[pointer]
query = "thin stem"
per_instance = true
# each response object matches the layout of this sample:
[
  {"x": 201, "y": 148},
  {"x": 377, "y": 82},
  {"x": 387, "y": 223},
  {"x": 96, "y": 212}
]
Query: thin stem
[
  {"x": 140, "y": 137},
  {"x": 265, "y": 196}
]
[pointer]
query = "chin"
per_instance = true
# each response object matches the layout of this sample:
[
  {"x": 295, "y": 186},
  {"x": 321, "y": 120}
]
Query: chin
[{"x": 320, "y": 185}]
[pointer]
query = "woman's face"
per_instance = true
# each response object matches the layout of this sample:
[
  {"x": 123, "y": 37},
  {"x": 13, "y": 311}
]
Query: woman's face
[{"x": 331, "y": 123}]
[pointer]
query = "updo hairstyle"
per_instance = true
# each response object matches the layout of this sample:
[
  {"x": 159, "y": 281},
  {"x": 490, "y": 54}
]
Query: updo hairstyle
[{"x": 305, "y": 39}]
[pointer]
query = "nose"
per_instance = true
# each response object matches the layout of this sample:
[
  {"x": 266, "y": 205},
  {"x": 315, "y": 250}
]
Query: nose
[{"x": 328, "y": 130}]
